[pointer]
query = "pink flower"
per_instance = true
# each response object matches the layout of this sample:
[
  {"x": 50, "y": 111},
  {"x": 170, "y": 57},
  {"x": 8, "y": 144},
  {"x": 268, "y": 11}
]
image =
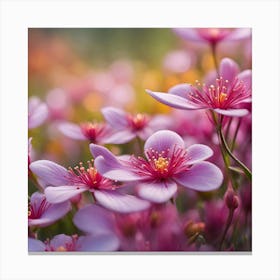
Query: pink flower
[
  {"x": 41, "y": 213},
  {"x": 226, "y": 96},
  {"x": 62, "y": 185},
  {"x": 74, "y": 243},
  {"x": 91, "y": 131},
  {"x": 131, "y": 126},
  {"x": 37, "y": 112},
  {"x": 167, "y": 164},
  {"x": 213, "y": 35}
]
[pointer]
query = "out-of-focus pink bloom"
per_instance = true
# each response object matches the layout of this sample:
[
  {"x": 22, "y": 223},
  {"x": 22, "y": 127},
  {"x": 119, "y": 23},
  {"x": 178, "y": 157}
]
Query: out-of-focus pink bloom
[
  {"x": 226, "y": 97},
  {"x": 130, "y": 126},
  {"x": 122, "y": 71},
  {"x": 213, "y": 35},
  {"x": 167, "y": 164},
  {"x": 37, "y": 112},
  {"x": 41, "y": 213},
  {"x": 62, "y": 185},
  {"x": 91, "y": 131},
  {"x": 74, "y": 243},
  {"x": 177, "y": 61}
]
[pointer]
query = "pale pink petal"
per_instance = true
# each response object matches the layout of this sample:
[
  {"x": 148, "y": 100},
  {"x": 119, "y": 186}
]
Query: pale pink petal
[
  {"x": 232, "y": 112},
  {"x": 239, "y": 34},
  {"x": 228, "y": 69},
  {"x": 71, "y": 130},
  {"x": 163, "y": 140},
  {"x": 182, "y": 90},
  {"x": 63, "y": 193},
  {"x": 203, "y": 176},
  {"x": 50, "y": 173},
  {"x": 94, "y": 219},
  {"x": 174, "y": 101},
  {"x": 157, "y": 192},
  {"x": 118, "y": 202},
  {"x": 117, "y": 118},
  {"x": 107, "y": 242},
  {"x": 198, "y": 152},
  {"x": 120, "y": 137}
]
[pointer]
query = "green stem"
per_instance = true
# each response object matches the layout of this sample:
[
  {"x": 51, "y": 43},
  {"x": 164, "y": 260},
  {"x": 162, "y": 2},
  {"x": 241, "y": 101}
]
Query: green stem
[
  {"x": 228, "y": 223},
  {"x": 235, "y": 134},
  {"x": 227, "y": 149}
]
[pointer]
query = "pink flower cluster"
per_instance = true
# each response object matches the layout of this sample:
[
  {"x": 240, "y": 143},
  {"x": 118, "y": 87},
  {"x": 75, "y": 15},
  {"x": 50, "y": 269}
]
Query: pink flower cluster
[{"x": 151, "y": 181}]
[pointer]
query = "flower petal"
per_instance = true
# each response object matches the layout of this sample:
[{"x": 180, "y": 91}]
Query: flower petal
[
  {"x": 181, "y": 90},
  {"x": 239, "y": 34},
  {"x": 94, "y": 219},
  {"x": 228, "y": 69},
  {"x": 117, "y": 118},
  {"x": 198, "y": 152},
  {"x": 49, "y": 172},
  {"x": 35, "y": 245},
  {"x": 37, "y": 112},
  {"x": 173, "y": 100},
  {"x": 63, "y": 193},
  {"x": 71, "y": 130},
  {"x": 163, "y": 140},
  {"x": 203, "y": 176},
  {"x": 189, "y": 34},
  {"x": 117, "y": 173},
  {"x": 118, "y": 202},
  {"x": 232, "y": 112},
  {"x": 98, "y": 243},
  {"x": 246, "y": 77},
  {"x": 120, "y": 137},
  {"x": 157, "y": 192}
]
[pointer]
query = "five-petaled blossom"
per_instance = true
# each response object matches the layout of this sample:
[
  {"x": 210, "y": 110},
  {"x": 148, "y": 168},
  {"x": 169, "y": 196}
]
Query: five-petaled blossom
[
  {"x": 91, "y": 131},
  {"x": 225, "y": 96},
  {"x": 213, "y": 35},
  {"x": 129, "y": 126},
  {"x": 41, "y": 213},
  {"x": 62, "y": 185},
  {"x": 167, "y": 163}
]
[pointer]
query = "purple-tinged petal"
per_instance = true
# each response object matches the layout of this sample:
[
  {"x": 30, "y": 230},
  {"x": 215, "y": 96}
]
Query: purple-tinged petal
[
  {"x": 98, "y": 243},
  {"x": 174, "y": 101},
  {"x": 246, "y": 77},
  {"x": 37, "y": 112},
  {"x": 63, "y": 193},
  {"x": 97, "y": 150},
  {"x": 117, "y": 118},
  {"x": 71, "y": 130},
  {"x": 163, "y": 140},
  {"x": 182, "y": 90},
  {"x": 60, "y": 240},
  {"x": 57, "y": 211},
  {"x": 120, "y": 137},
  {"x": 117, "y": 173},
  {"x": 35, "y": 245},
  {"x": 50, "y": 173},
  {"x": 239, "y": 34},
  {"x": 121, "y": 203},
  {"x": 198, "y": 152},
  {"x": 145, "y": 133},
  {"x": 228, "y": 69},
  {"x": 160, "y": 122},
  {"x": 157, "y": 192},
  {"x": 188, "y": 34},
  {"x": 94, "y": 219},
  {"x": 232, "y": 112},
  {"x": 203, "y": 176}
]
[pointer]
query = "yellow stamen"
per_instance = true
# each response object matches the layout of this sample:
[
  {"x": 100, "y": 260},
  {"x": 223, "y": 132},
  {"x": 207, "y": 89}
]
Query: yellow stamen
[
  {"x": 222, "y": 97},
  {"x": 61, "y": 249},
  {"x": 161, "y": 164}
]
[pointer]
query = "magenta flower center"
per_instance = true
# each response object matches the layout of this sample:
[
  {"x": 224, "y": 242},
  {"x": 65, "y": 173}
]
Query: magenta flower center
[
  {"x": 37, "y": 208},
  {"x": 89, "y": 177},
  {"x": 138, "y": 121},
  {"x": 222, "y": 95},
  {"x": 213, "y": 35},
  {"x": 161, "y": 165},
  {"x": 67, "y": 247},
  {"x": 92, "y": 131}
]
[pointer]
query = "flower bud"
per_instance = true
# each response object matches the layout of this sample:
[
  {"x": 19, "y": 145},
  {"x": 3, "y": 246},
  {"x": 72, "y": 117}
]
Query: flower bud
[{"x": 231, "y": 198}]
